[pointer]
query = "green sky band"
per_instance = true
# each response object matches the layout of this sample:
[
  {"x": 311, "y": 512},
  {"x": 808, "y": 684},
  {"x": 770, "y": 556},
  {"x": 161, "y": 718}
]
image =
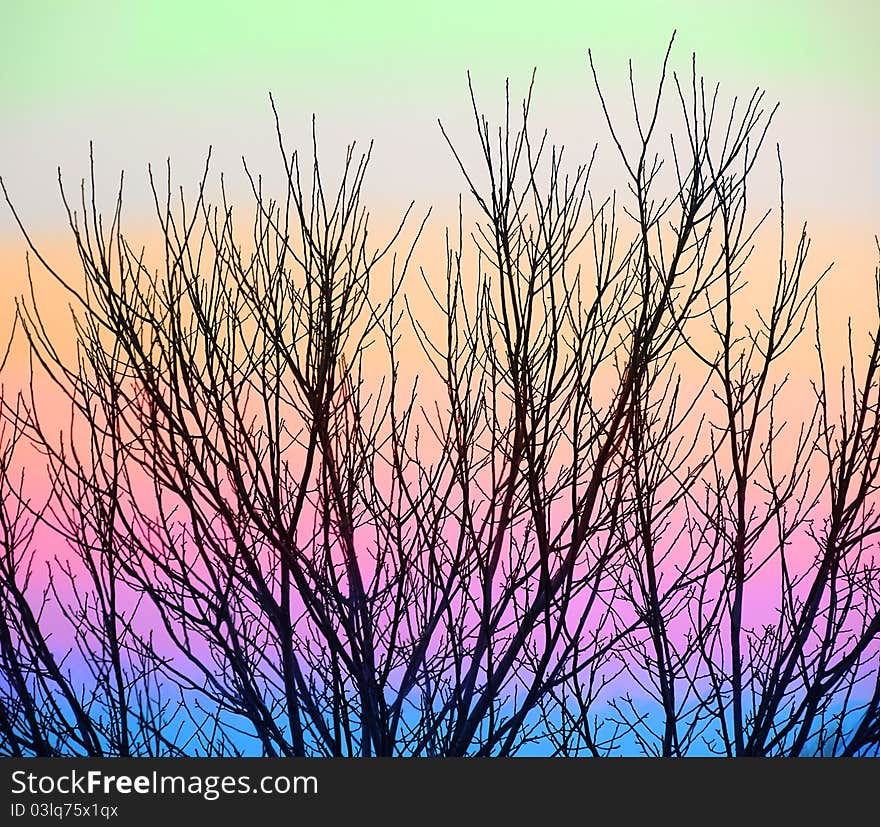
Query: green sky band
[{"x": 83, "y": 50}]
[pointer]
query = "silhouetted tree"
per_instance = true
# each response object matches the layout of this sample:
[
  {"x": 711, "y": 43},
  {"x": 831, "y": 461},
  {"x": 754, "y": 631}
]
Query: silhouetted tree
[{"x": 268, "y": 539}]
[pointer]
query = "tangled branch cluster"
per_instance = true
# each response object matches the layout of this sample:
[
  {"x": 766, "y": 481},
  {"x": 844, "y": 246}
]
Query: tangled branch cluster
[{"x": 600, "y": 536}]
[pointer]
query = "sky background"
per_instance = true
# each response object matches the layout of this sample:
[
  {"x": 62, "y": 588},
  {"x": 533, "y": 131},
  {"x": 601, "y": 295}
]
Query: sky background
[{"x": 150, "y": 81}]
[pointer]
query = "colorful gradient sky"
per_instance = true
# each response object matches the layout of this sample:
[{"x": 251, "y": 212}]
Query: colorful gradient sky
[
  {"x": 148, "y": 81},
  {"x": 151, "y": 80}
]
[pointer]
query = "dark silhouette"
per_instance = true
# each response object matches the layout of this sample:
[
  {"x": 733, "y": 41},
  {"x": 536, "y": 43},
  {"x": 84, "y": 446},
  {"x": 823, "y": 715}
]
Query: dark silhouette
[{"x": 270, "y": 542}]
